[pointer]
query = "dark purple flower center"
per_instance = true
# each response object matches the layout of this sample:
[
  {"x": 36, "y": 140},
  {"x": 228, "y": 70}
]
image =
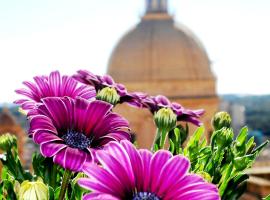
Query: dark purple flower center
[
  {"x": 145, "y": 196},
  {"x": 76, "y": 140}
]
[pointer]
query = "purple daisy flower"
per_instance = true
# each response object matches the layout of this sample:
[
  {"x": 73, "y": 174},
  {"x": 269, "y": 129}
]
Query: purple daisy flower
[
  {"x": 71, "y": 130},
  {"x": 155, "y": 103},
  {"x": 100, "y": 82},
  {"x": 52, "y": 86},
  {"x": 131, "y": 174}
]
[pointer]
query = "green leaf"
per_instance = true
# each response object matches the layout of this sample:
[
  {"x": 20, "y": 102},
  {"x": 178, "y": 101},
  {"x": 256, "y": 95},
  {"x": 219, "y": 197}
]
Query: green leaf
[
  {"x": 225, "y": 179},
  {"x": 260, "y": 148},
  {"x": 242, "y": 137},
  {"x": 250, "y": 145},
  {"x": 51, "y": 193}
]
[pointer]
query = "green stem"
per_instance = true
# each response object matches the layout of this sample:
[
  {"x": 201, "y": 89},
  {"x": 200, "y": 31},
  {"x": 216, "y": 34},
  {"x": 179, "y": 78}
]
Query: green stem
[
  {"x": 163, "y": 139},
  {"x": 53, "y": 175},
  {"x": 65, "y": 182},
  {"x": 157, "y": 137}
]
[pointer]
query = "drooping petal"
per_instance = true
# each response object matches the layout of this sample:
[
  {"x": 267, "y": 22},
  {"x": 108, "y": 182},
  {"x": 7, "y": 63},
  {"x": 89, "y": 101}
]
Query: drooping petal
[
  {"x": 51, "y": 149},
  {"x": 74, "y": 159},
  {"x": 42, "y": 136},
  {"x": 42, "y": 122}
]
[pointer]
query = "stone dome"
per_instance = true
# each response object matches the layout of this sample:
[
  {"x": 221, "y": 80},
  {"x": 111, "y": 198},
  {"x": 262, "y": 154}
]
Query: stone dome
[{"x": 159, "y": 49}]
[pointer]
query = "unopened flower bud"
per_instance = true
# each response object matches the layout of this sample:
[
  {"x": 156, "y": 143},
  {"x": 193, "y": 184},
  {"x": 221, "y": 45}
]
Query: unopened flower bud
[
  {"x": 109, "y": 95},
  {"x": 33, "y": 190},
  {"x": 165, "y": 119},
  {"x": 221, "y": 119},
  {"x": 224, "y": 137},
  {"x": 7, "y": 141}
]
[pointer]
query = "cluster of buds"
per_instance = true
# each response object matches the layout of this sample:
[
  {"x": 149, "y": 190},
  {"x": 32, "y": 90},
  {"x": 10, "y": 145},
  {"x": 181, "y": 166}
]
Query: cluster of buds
[{"x": 7, "y": 141}]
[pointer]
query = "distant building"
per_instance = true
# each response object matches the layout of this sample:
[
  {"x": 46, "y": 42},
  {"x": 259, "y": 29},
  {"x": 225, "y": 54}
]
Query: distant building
[{"x": 160, "y": 56}]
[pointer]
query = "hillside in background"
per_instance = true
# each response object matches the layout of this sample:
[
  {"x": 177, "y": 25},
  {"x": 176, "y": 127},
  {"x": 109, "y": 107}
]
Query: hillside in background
[{"x": 257, "y": 110}]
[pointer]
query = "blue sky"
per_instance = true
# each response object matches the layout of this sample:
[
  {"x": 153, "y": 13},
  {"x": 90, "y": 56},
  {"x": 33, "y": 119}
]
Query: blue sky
[{"x": 38, "y": 36}]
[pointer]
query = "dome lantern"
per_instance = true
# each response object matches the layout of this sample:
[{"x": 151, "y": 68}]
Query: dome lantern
[{"x": 156, "y": 6}]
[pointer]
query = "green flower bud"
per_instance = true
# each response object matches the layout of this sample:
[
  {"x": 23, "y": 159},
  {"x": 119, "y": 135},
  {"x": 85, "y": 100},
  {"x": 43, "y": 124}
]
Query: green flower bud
[
  {"x": 109, "y": 95},
  {"x": 220, "y": 120},
  {"x": 165, "y": 119},
  {"x": 7, "y": 141},
  {"x": 205, "y": 176},
  {"x": 224, "y": 137},
  {"x": 33, "y": 190}
]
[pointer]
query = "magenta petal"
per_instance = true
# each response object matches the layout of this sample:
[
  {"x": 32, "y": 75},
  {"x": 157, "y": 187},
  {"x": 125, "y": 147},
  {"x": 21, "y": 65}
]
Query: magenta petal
[
  {"x": 119, "y": 171},
  {"x": 55, "y": 82},
  {"x": 146, "y": 156},
  {"x": 95, "y": 113},
  {"x": 110, "y": 123},
  {"x": 136, "y": 163},
  {"x": 157, "y": 162},
  {"x": 42, "y": 122},
  {"x": 57, "y": 110},
  {"x": 50, "y": 149},
  {"x": 186, "y": 182},
  {"x": 99, "y": 196},
  {"x": 41, "y": 137},
  {"x": 115, "y": 136},
  {"x": 74, "y": 159},
  {"x": 178, "y": 167},
  {"x": 100, "y": 180},
  {"x": 198, "y": 195},
  {"x": 117, "y": 151}
]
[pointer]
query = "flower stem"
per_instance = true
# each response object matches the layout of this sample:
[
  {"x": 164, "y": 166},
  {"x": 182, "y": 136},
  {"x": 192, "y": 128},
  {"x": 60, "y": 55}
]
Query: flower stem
[
  {"x": 65, "y": 182},
  {"x": 53, "y": 175},
  {"x": 163, "y": 139}
]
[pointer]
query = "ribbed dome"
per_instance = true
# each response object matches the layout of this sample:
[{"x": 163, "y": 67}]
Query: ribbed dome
[{"x": 158, "y": 49}]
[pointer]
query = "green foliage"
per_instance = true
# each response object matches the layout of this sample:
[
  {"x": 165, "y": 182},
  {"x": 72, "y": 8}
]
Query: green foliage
[
  {"x": 13, "y": 175},
  {"x": 224, "y": 161}
]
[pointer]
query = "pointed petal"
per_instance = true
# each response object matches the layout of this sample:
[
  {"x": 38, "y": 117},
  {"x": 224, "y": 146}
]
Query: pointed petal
[
  {"x": 177, "y": 167},
  {"x": 157, "y": 162},
  {"x": 99, "y": 196},
  {"x": 146, "y": 156}
]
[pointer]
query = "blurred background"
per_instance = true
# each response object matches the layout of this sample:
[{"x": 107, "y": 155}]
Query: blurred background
[{"x": 203, "y": 54}]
